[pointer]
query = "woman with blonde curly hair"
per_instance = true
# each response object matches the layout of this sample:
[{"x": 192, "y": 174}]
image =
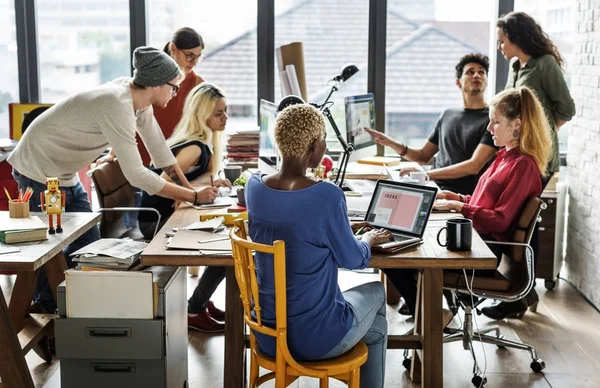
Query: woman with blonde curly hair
[
  {"x": 310, "y": 216},
  {"x": 518, "y": 125},
  {"x": 196, "y": 146}
]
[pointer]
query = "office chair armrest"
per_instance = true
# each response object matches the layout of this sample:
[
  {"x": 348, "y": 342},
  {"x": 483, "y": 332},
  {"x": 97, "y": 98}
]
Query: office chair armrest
[
  {"x": 529, "y": 264},
  {"x": 134, "y": 208}
]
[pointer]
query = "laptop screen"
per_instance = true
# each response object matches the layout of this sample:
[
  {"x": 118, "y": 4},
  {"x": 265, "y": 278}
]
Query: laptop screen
[{"x": 401, "y": 207}]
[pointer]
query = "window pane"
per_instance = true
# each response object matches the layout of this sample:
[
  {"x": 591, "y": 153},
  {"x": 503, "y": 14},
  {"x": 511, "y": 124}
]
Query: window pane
[
  {"x": 425, "y": 41},
  {"x": 334, "y": 33},
  {"x": 557, "y": 19},
  {"x": 230, "y": 48},
  {"x": 81, "y": 45},
  {"x": 9, "y": 77}
]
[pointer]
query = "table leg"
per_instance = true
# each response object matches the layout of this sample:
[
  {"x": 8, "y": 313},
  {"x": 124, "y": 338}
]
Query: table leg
[
  {"x": 235, "y": 347},
  {"x": 432, "y": 368},
  {"x": 20, "y": 299},
  {"x": 14, "y": 371},
  {"x": 415, "y": 365}
]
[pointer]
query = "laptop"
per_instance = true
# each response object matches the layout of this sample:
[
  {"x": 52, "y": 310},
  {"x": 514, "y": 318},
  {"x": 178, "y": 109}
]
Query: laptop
[{"x": 401, "y": 208}]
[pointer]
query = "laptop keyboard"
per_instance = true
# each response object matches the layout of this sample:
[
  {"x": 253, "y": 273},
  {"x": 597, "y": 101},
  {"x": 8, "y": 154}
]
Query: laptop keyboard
[{"x": 399, "y": 238}]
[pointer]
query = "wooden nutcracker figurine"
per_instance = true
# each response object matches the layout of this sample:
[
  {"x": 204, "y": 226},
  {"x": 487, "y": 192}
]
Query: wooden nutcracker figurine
[{"x": 53, "y": 202}]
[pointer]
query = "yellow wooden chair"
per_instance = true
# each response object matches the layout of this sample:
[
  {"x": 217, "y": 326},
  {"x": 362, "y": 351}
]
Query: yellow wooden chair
[{"x": 283, "y": 367}]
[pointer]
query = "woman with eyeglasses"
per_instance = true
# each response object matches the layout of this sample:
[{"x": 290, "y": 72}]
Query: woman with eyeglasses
[{"x": 195, "y": 143}]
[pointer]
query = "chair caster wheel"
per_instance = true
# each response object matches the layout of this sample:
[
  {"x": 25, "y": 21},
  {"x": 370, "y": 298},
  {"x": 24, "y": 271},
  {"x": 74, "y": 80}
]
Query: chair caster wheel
[
  {"x": 479, "y": 381},
  {"x": 537, "y": 365},
  {"x": 501, "y": 346},
  {"x": 550, "y": 284},
  {"x": 406, "y": 363}
]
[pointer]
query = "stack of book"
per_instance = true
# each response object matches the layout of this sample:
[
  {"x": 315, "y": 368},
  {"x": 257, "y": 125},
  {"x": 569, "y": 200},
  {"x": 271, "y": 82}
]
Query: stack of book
[
  {"x": 109, "y": 253},
  {"x": 242, "y": 149},
  {"x": 18, "y": 230}
]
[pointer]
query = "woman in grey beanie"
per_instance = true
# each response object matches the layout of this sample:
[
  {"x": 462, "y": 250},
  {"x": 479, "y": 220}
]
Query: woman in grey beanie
[{"x": 75, "y": 131}]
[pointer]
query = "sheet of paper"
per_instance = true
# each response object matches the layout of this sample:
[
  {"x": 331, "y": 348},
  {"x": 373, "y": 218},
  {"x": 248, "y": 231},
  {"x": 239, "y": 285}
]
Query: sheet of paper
[
  {"x": 209, "y": 225},
  {"x": 199, "y": 240},
  {"x": 8, "y": 249},
  {"x": 219, "y": 202}
]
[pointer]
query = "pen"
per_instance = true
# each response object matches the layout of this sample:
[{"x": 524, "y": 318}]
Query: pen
[{"x": 359, "y": 230}]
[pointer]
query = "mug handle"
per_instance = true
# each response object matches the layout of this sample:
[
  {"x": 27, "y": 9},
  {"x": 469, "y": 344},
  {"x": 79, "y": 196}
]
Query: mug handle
[{"x": 438, "y": 237}]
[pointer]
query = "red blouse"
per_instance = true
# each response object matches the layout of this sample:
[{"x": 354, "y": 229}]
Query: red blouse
[
  {"x": 169, "y": 117},
  {"x": 501, "y": 192}
]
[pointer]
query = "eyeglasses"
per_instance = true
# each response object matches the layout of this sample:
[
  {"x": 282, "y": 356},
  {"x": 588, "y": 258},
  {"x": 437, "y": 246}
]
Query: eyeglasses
[
  {"x": 191, "y": 57},
  {"x": 175, "y": 87}
]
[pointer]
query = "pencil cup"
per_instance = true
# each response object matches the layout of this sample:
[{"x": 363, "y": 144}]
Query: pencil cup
[{"x": 18, "y": 209}]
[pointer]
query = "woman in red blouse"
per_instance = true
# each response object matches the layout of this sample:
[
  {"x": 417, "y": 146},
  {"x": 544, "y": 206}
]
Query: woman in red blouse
[{"x": 519, "y": 125}]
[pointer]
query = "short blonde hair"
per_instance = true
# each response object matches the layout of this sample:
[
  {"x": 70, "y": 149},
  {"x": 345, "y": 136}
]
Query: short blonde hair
[
  {"x": 534, "y": 139},
  {"x": 297, "y": 127}
]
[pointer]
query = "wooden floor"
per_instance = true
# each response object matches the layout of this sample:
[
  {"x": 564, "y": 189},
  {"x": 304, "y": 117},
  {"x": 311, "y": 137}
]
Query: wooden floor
[{"x": 564, "y": 332}]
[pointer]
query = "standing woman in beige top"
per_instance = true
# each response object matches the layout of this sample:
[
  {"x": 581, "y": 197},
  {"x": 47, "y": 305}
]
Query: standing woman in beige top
[{"x": 536, "y": 63}]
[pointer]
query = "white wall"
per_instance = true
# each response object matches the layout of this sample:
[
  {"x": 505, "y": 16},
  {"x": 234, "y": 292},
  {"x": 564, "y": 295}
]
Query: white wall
[{"x": 583, "y": 235}]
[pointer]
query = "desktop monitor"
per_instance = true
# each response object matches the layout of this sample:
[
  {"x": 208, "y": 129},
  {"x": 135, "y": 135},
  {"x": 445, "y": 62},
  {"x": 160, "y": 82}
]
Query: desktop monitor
[
  {"x": 267, "y": 150},
  {"x": 360, "y": 113}
]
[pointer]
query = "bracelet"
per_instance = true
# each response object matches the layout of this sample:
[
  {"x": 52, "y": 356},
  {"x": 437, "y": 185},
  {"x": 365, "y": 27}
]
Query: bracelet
[
  {"x": 404, "y": 150},
  {"x": 196, "y": 202}
]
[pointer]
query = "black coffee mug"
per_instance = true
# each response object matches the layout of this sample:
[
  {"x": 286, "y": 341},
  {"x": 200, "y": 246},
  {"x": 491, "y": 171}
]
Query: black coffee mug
[{"x": 459, "y": 234}]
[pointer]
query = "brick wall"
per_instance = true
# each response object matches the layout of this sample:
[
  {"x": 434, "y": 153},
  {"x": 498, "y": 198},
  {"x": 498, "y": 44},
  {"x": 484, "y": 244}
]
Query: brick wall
[{"x": 583, "y": 231}]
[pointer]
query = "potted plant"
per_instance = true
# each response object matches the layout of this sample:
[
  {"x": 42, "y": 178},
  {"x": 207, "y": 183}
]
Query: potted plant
[{"x": 239, "y": 185}]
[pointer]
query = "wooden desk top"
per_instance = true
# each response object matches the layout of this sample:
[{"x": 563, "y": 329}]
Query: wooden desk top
[
  {"x": 427, "y": 255},
  {"x": 35, "y": 254}
]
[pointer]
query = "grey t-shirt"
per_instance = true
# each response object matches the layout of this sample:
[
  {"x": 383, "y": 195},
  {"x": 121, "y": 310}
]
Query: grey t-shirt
[{"x": 457, "y": 134}]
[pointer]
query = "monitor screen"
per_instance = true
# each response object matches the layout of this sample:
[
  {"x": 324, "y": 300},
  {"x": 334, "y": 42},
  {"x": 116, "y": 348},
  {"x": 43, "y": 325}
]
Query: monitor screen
[
  {"x": 267, "y": 151},
  {"x": 360, "y": 113}
]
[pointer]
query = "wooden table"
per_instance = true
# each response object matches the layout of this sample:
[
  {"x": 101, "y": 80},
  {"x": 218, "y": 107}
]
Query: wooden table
[
  {"x": 20, "y": 331},
  {"x": 429, "y": 256}
]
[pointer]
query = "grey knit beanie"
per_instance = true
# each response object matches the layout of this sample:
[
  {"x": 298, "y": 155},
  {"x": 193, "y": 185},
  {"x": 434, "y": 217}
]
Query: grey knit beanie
[{"x": 153, "y": 67}]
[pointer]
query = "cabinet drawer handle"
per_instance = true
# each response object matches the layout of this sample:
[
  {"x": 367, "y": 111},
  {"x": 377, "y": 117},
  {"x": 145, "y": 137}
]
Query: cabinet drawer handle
[
  {"x": 542, "y": 228},
  {"x": 108, "y": 332},
  {"x": 112, "y": 368}
]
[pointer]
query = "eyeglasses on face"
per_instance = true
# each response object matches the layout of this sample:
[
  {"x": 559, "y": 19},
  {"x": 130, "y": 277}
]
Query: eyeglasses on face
[
  {"x": 191, "y": 57},
  {"x": 175, "y": 87}
]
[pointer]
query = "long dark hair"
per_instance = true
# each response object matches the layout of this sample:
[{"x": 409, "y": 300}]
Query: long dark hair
[
  {"x": 185, "y": 38},
  {"x": 523, "y": 30}
]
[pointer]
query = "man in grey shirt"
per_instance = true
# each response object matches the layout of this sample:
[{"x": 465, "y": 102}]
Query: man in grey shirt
[
  {"x": 75, "y": 131},
  {"x": 460, "y": 138}
]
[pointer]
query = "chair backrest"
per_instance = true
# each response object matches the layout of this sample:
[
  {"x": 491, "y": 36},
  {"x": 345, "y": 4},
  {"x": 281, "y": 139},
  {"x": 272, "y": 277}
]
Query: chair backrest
[
  {"x": 245, "y": 274},
  {"x": 515, "y": 265},
  {"x": 113, "y": 190}
]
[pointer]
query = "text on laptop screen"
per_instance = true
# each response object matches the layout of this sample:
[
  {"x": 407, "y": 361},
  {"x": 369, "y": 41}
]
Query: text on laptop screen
[{"x": 402, "y": 209}]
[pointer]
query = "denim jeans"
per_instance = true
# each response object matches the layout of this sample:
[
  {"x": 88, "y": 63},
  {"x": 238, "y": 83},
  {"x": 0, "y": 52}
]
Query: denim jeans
[
  {"x": 207, "y": 284},
  {"x": 367, "y": 302},
  {"x": 76, "y": 201}
]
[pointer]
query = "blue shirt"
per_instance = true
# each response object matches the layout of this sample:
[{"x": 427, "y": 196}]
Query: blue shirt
[{"x": 314, "y": 225}]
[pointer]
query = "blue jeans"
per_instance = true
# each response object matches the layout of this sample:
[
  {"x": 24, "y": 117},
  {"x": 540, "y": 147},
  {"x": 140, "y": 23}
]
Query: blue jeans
[
  {"x": 367, "y": 301},
  {"x": 77, "y": 201}
]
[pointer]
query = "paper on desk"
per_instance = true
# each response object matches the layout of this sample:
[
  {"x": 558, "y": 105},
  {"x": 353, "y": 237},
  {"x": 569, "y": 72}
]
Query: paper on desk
[
  {"x": 115, "y": 247},
  {"x": 219, "y": 202},
  {"x": 199, "y": 240},
  {"x": 8, "y": 249},
  {"x": 210, "y": 225}
]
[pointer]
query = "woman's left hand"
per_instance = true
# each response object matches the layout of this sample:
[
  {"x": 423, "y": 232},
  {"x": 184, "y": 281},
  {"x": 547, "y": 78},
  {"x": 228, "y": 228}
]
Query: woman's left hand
[
  {"x": 445, "y": 205},
  {"x": 222, "y": 183}
]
